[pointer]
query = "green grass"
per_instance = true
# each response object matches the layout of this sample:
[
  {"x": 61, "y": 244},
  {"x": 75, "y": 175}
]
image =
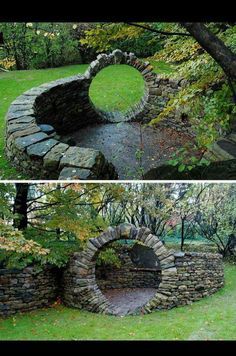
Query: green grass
[
  {"x": 161, "y": 67},
  {"x": 114, "y": 88},
  {"x": 211, "y": 318},
  {"x": 13, "y": 84}
]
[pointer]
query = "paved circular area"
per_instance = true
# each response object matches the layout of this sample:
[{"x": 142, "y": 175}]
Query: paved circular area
[
  {"x": 127, "y": 300},
  {"x": 121, "y": 144}
]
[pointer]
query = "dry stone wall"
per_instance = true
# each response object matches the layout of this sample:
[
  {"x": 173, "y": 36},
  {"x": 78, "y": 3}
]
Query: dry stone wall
[
  {"x": 184, "y": 277},
  {"x": 27, "y": 289},
  {"x": 198, "y": 275},
  {"x": 36, "y": 119},
  {"x": 127, "y": 275}
]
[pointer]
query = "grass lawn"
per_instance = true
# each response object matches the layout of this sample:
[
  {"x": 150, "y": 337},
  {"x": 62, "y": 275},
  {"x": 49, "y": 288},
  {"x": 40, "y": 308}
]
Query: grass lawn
[
  {"x": 13, "y": 84},
  {"x": 211, "y": 318},
  {"x": 115, "y": 88}
]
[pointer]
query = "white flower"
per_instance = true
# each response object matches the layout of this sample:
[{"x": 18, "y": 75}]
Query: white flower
[
  {"x": 74, "y": 27},
  {"x": 45, "y": 35},
  {"x": 38, "y": 32},
  {"x": 29, "y": 24}
]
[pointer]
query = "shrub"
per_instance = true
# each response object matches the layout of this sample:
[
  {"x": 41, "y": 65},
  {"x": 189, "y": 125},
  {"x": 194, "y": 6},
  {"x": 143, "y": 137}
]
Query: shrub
[{"x": 18, "y": 251}]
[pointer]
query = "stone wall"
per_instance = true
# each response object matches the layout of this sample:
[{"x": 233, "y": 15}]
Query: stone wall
[
  {"x": 198, "y": 275},
  {"x": 127, "y": 275},
  {"x": 32, "y": 142},
  {"x": 27, "y": 289},
  {"x": 185, "y": 277},
  {"x": 36, "y": 119}
]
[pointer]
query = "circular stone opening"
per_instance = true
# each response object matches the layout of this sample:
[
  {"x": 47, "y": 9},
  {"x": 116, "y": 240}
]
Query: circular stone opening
[
  {"x": 128, "y": 274},
  {"x": 116, "y": 90}
]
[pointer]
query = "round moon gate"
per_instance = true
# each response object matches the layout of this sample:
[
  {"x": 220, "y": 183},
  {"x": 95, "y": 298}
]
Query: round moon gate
[{"x": 81, "y": 272}]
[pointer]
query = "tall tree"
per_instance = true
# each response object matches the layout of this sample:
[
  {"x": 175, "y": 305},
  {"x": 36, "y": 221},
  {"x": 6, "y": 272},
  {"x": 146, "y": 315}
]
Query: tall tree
[{"x": 20, "y": 206}]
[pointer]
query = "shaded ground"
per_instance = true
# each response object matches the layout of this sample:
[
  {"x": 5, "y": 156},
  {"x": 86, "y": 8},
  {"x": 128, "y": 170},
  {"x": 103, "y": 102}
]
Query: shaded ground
[
  {"x": 122, "y": 144},
  {"x": 128, "y": 299}
]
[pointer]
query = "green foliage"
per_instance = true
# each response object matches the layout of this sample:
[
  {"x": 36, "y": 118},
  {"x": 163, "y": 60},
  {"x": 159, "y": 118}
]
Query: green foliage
[
  {"x": 216, "y": 215},
  {"x": 206, "y": 100},
  {"x": 104, "y": 36},
  {"x": 143, "y": 46},
  {"x": 38, "y": 45},
  {"x": 108, "y": 257},
  {"x": 70, "y": 211},
  {"x": 7, "y": 192},
  {"x": 34, "y": 248},
  {"x": 109, "y": 36},
  {"x": 18, "y": 252}
]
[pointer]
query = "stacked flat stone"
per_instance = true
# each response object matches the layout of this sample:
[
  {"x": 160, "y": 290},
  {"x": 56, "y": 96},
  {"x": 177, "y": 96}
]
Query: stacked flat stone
[
  {"x": 27, "y": 289},
  {"x": 185, "y": 277},
  {"x": 65, "y": 105},
  {"x": 127, "y": 275},
  {"x": 60, "y": 104}
]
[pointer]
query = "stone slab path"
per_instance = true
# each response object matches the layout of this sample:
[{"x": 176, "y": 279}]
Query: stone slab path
[
  {"x": 128, "y": 299},
  {"x": 120, "y": 143}
]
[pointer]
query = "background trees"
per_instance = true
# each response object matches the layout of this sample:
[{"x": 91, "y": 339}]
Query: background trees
[
  {"x": 59, "y": 217},
  {"x": 39, "y": 45}
]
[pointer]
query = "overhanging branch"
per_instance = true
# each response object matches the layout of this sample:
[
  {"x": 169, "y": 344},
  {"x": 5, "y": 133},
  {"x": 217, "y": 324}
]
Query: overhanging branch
[{"x": 165, "y": 33}]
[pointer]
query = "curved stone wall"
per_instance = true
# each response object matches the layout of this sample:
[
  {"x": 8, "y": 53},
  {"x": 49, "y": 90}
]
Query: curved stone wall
[
  {"x": 36, "y": 119},
  {"x": 181, "y": 279},
  {"x": 184, "y": 277},
  {"x": 27, "y": 289}
]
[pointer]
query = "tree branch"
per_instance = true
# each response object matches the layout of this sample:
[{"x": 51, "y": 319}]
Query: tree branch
[{"x": 165, "y": 33}]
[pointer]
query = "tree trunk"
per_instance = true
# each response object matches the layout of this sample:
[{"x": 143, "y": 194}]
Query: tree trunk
[
  {"x": 214, "y": 46},
  {"x": 182, "y": 233},
  {"x": 58, "y": 233},
  {"x": 20, "y": 206}
]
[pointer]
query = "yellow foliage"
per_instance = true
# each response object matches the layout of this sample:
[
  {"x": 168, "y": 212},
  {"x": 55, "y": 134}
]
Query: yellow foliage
[
  {"x": 7, "y": 63},
  {"x": 13, "y": 240},
  {"x": 21, "y": 245}
]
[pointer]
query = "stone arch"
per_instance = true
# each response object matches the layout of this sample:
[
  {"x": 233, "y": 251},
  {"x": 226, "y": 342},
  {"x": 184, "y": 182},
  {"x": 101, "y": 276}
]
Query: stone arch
[
  {"x": 86, "y": 294},
  {"x": 136, "y": 112},
  {"x": 36, "y": 117}
]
